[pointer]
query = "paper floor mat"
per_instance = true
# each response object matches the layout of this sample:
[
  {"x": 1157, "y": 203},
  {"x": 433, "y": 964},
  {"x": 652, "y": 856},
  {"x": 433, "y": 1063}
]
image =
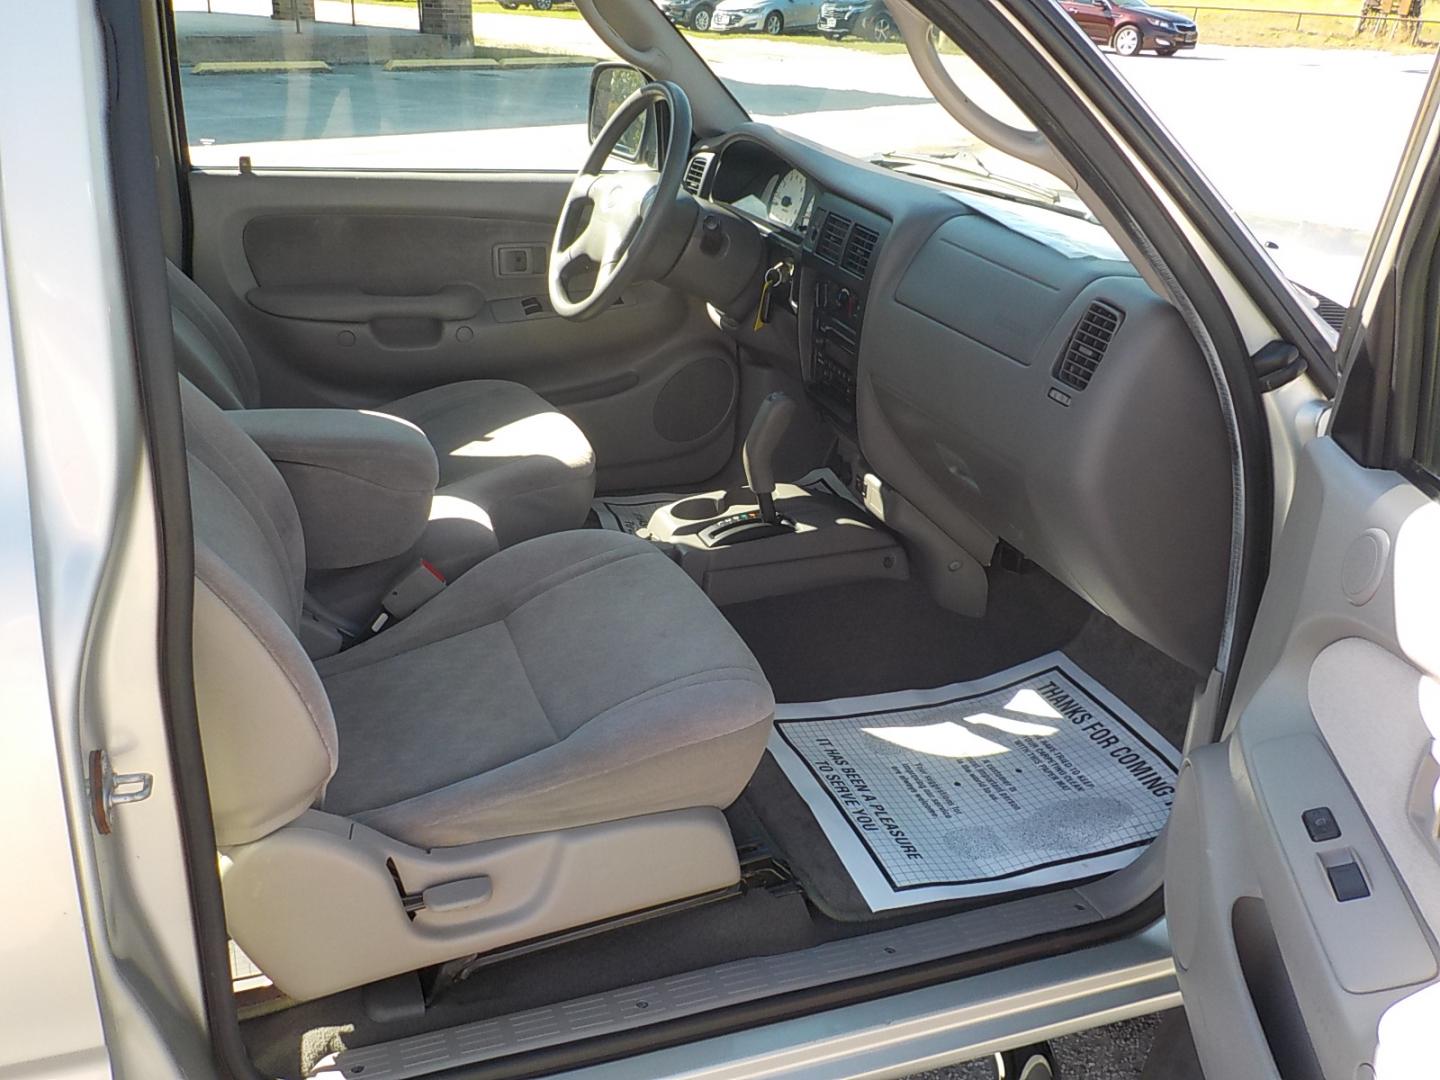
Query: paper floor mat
[{"x": 1033, "y": 776}]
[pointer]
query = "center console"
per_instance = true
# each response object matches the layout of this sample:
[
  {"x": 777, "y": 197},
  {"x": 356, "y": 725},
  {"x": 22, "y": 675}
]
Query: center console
[
  {"x": 770, "y": 537},
  {"x": 841, "y": 248}
]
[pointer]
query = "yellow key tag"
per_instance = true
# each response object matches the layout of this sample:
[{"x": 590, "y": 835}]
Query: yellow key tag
[
  {"x": 774, "y": 276},
  {"x": 762, "y": 310}
]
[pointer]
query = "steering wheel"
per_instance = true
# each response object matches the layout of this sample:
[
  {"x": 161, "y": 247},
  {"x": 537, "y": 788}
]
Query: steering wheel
[{"x": 628, "y": 234}]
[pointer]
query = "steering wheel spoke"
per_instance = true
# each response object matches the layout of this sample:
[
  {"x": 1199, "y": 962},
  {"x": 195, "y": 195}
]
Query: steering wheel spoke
[
  {"x": 581, "y": 187},
  {"x": 631, "y": 214}
]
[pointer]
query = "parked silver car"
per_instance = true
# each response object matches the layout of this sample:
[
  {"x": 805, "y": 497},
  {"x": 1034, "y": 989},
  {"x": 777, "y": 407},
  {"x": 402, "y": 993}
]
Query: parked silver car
[{"x": 765, "y": 16}]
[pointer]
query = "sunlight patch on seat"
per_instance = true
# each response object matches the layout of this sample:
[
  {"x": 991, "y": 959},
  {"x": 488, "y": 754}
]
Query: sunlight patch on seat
[
  {"x": 454, "y": 508},
  {"x": 530, "y": 436}
]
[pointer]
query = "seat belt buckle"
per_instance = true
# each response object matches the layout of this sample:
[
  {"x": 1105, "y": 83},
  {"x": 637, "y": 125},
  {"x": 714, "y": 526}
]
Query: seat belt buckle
[{"x": 417, "y": 587}]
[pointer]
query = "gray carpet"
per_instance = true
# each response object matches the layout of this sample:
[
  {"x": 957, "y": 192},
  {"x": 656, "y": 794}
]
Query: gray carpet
[
  {"x": 875, "y": 636},
  {"x": 882, "y": 636},
  {"x": 878, "y": 636}
]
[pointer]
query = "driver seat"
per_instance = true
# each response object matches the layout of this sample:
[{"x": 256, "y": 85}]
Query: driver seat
[{"x": 526, "y": 466}]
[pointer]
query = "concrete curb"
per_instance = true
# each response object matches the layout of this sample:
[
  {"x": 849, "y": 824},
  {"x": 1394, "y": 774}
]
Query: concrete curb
[
  {"x": 441, "y": 63},
  {"x": 487, "y": 63},
  {"x": 261, "y": 67},
  {"x": 549, "y": 61}
]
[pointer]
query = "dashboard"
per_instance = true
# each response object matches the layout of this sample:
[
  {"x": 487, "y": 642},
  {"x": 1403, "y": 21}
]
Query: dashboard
[
  {"x": 1004, "y": 372},
  {"x": 761, "y": 185}
]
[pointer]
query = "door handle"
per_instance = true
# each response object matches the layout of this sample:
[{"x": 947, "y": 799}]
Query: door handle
[{"x": 325, "y": 303}]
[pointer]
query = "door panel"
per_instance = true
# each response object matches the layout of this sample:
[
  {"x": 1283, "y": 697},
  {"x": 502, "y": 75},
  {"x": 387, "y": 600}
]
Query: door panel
[
  {"x": 357, "y": 290},
  {"x": 1282, "y": 978},
  {"x": 1093, "y": 19}
]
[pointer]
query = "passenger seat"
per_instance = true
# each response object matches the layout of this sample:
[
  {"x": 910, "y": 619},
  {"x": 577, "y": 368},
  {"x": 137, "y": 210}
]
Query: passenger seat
[
  {"x": 501, "y": 447},
  {"x": 545, "y": 745}
]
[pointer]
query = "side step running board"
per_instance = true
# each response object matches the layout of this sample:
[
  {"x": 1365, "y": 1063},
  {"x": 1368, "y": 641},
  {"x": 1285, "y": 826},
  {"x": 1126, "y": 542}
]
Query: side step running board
[{"x": 730, "y": 984}]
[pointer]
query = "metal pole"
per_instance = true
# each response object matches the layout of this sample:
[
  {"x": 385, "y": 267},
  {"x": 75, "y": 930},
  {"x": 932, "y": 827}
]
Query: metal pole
[{"x": 352, "y": 12}]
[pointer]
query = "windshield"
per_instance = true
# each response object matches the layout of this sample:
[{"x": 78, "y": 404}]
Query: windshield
[
  {"x": 1297, "y": 118},
  {"x": 865, "y": 98}
]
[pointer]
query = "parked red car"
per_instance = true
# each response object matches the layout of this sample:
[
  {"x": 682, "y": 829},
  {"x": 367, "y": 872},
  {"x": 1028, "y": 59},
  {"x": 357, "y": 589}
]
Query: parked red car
[{"x": 1128, "y": 26}]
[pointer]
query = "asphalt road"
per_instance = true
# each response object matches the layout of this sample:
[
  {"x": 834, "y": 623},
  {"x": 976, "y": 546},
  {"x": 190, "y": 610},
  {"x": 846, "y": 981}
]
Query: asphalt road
[{"x": 1114, "y": 1052}]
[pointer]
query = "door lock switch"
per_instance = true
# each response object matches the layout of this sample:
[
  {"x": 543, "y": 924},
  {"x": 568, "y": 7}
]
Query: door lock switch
[
  {"x": 1320, "y": 823},
  {"x": 1347, "y": 882}
]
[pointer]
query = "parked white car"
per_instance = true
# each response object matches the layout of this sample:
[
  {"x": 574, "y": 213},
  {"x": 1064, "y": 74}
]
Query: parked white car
[{"x": 765, "y": 16}]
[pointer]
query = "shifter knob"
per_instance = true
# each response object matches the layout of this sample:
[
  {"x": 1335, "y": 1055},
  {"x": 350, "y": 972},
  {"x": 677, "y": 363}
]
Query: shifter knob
[{"x": 771, "y": 422}]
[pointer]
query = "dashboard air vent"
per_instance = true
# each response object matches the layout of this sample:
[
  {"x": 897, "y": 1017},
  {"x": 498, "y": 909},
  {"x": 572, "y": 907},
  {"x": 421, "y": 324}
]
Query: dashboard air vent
[
  {"x": 695, "y": 173},
  {"x": 831, "y": 245},
  {"x": 858, "y": 251},
  {"x": 1087, "y": 345}
]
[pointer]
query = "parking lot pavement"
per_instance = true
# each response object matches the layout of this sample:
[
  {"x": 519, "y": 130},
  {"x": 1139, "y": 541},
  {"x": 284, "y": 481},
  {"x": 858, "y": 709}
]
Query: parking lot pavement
[{"x": 1113, "y": 1052}]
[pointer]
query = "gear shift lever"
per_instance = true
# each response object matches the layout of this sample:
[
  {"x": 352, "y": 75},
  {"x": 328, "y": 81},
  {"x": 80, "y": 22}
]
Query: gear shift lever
[{"x": 771, "y": 422}]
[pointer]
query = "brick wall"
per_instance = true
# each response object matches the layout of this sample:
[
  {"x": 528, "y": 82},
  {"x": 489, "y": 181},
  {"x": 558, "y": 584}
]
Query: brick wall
[{"x": 451, "y": 19}]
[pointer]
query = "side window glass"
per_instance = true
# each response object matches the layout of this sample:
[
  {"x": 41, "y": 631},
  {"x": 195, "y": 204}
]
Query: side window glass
[
  {"x": 385, "y": 84},
  {"x": 1297, "y": 113}
]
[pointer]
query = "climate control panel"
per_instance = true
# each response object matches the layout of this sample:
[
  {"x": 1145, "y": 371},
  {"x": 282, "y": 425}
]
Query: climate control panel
[{"x": 840, "y": 251}]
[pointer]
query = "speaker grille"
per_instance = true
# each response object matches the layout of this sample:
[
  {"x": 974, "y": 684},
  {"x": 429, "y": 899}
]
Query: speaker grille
[{"x": 695, "y": 400}]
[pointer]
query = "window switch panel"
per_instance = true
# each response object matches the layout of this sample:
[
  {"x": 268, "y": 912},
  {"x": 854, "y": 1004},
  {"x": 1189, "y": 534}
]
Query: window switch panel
[
  {"x": 519, "y": 260},
  {"x": 1320, "y": 823},
  {"x": 1347, "y": 881}
]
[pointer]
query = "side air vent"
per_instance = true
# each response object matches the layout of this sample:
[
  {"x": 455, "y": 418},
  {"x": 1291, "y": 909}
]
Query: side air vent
[
  {"x": 1087, "y": 345},
  {"x": 695, "y": 173},
  {"x": 858, "y": 251},
  {"x": 831, "y": 245}
]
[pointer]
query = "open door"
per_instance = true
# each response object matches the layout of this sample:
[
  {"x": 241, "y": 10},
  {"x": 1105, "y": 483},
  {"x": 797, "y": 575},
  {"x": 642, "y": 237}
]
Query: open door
[{"x": 1302, "y": 862}]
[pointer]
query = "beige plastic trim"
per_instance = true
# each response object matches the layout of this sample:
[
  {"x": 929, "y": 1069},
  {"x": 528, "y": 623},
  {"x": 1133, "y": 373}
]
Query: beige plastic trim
[
  {"x": 833, "y": 543},
  {"x": 1031, "y": 147},
  {"x": 316, "y": 906}
]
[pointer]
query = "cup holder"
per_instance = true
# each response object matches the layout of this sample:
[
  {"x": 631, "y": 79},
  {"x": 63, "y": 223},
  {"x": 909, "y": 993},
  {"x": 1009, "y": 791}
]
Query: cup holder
[{"x": 700, "y": 508}]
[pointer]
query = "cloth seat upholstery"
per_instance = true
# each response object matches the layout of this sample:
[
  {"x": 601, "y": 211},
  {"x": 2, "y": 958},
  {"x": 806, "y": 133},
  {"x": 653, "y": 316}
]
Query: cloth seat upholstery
[
  {"x": 573, "y": 679},
  {"x": 525, "y": 465}
]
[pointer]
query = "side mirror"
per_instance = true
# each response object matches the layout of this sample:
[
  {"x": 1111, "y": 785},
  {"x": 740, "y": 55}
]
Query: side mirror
[{"x": 610, "y": 84}]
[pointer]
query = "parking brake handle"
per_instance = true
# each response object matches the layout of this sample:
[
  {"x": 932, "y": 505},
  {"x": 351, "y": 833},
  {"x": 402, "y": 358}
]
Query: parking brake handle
[{"x": 771, "y": 422}]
